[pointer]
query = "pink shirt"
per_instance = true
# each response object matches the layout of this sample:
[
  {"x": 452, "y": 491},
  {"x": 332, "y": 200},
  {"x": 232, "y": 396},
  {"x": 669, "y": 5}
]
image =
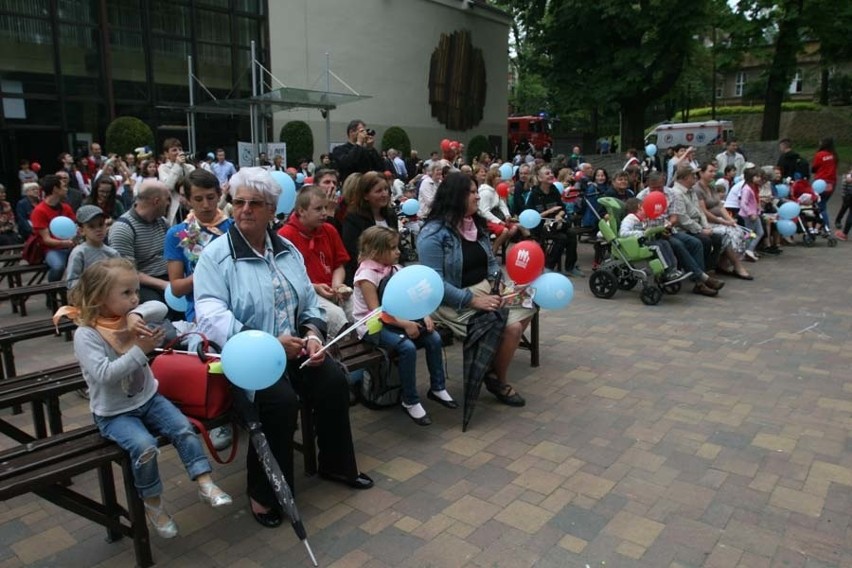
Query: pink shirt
[{"x": 370, "y": 271}]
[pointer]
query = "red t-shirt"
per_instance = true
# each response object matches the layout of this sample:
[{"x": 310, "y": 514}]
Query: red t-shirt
[
  {"x": 824, "y": 167},
  {"x": 323, "y": 250},
  {"x": 43, "y": 214}
]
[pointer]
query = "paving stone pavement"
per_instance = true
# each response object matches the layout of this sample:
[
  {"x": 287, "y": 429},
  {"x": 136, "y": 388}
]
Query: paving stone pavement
[{"x": 699, "y": 432}]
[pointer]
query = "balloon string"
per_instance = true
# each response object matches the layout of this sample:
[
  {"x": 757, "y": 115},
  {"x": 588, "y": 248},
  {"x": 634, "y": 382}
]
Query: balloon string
[{"x": 344, "y": 333}]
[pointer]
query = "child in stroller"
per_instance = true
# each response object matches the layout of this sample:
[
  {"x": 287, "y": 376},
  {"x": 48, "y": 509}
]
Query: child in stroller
[{"x": 633, "y": 225}]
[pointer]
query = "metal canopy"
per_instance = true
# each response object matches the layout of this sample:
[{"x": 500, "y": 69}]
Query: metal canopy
[{"x": 284, "y": 98}]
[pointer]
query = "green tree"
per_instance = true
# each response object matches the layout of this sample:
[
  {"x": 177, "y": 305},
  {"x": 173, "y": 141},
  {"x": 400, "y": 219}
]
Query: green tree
[
  {"x": 626, "y": 52},
  {"x": 300, "y": 141},
  {"x": 126, "y": 133}
]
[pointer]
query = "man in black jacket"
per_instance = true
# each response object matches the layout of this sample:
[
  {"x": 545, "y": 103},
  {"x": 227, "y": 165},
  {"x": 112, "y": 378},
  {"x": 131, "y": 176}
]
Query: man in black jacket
[
  {"x": 358, "y": 154},
  {"x": 788, "y": 159}
]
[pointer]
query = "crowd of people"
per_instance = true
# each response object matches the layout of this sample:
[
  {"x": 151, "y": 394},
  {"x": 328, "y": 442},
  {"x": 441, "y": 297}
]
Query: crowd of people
[{"x": 208, "y": 232}]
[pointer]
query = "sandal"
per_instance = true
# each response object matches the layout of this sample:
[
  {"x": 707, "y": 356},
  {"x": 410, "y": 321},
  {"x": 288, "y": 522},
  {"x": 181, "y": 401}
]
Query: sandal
[
  {"x": 504, "y": 392},
  {"x": 166, "y": 529}
]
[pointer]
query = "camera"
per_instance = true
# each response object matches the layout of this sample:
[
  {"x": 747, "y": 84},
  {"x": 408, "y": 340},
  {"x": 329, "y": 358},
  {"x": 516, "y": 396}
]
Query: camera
[{"x": 371, "y": 132}]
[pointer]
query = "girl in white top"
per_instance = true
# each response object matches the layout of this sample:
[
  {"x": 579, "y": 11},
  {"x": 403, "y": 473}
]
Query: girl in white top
[{"x": 493, "y": 208}]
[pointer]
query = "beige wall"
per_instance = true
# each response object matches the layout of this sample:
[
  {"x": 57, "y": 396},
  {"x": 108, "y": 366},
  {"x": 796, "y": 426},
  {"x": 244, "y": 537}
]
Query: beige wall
[{"x": 382, "y": 48}]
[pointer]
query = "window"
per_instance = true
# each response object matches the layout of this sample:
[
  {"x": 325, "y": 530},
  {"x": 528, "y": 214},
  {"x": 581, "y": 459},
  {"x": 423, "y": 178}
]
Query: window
[
  {"x": 213, "y": 26},
  {"x": 797, "y": 83},
  {"x": 739, "y": 87}
]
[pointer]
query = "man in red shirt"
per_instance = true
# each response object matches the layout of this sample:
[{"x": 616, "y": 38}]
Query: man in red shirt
[
  {"x": 325, "y": 255},
  {"x": 56, "y": 251}
]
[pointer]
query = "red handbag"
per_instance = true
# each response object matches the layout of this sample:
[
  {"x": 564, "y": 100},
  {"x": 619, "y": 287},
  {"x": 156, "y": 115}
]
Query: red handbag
[{"x": 185, "y": 379}]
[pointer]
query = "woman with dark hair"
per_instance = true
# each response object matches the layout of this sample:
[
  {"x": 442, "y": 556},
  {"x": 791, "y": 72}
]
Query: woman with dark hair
[
  {"x": 104, "y": 195},
  {"x": 454, "y": 242},
  {"x": 369, "y": 205},
  {"x": 148, "y": 169},
  {"x": 824, "y": 167}
]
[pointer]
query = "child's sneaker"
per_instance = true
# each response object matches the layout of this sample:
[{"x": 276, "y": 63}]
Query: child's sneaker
[
  {"x": 674, "y": 275},
  {"x": 840, "y": 235}
]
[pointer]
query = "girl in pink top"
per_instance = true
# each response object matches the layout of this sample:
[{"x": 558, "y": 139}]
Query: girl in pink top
[{"x": 750, "y": 211}]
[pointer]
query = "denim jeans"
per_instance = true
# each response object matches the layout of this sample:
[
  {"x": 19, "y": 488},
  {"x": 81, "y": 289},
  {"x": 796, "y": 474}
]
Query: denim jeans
[
  {"x": 406, "y": 349},
  {"x": 56, "y": 259},
  {"x": 690, "y": 253},
  {"x": 755, "y": 225},
  {"x": 822, "y": 206},
  {"x": 136, "y": 432}
]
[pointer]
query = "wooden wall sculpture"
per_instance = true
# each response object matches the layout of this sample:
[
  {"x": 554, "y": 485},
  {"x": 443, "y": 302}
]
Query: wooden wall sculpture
[{"x": 457, "y": 82}]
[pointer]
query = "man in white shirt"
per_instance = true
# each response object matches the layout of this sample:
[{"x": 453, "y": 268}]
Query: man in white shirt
[
  {"x": 222, "y": 169},
  {"x": 731, "y": 157},
  {"x": 172, "y": 173}
]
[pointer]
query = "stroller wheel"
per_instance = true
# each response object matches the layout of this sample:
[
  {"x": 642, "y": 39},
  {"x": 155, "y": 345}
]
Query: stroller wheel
[
  {"x": 651, "y": 295},
  {"x": 627, "y": 282},
  {"x": 808, "y": 240},
  {"x": 603, "y": 284},
  {"x": 832, "y": 242},
  {"x": 671, "y": 289}
]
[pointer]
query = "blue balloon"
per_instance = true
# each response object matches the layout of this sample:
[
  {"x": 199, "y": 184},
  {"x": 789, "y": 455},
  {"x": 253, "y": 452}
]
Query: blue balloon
[
  {"x": 300, "y": 177},
  {"x": 410, "y": 207},
  {"x": 651, "y": 150},
  {"x": 786, "y": 227},
  {"x": 287, "y": 199},
  {"x": 177, "y": 303},
  {"x": 506, "y": 171},
  {"x": 529, "y": 219},
  {"x": 63, "y": 228},
  {"x": 738, "y": 179},
  {"x": 782, "y": 191},
  {"x": 553, "y": 291},
  {"x": 819, "y": 186},
  {"x": 253, "y": 359},
  {"x": 789, "y": 210},
  {"x": 413, "y": 293},
  {"x": 559, "y": 186}
]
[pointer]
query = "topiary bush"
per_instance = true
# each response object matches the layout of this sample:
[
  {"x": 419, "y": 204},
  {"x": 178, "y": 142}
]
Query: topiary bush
[
  {"x": 300, "y": 141},
  {"x": 397, "y": 138},
  {"x": 477, "y": 145},
  {"x": 126, "y": 133}
]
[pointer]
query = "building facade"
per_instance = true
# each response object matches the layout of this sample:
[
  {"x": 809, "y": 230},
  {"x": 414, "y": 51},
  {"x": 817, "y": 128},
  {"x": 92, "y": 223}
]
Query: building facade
[{"x": 68, "y": 67}]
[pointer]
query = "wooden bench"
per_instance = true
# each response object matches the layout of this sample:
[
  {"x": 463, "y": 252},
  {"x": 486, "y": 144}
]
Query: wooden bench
[
  {"x": 12, "y": 334},
  {"x": 14, "y": 274},
  {"x": 41, "y": 390},
  {"x": 45, "y": 466},
  {"x": 56, "y": 292}
]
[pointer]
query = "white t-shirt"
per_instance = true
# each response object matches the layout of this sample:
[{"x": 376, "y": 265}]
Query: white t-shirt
[{"x": 369, "y": 271}]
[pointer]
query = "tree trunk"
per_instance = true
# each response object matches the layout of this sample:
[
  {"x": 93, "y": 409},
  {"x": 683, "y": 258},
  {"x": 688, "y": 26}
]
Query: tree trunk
[
  {"x": 632, "y": 124},
  {"x": 823, "y": 85},
  {"x": 782, "y": 69}
]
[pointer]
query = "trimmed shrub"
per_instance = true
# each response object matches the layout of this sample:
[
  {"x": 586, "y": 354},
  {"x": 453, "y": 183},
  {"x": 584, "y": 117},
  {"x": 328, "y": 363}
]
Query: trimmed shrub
[
  {"x": 125, "y": 134},
  {"x": 477, "y": 145},
  {"x": 397, "y": 138},
  {"x": 705, "y": 112},
  {"x": 300, "y": 141}
]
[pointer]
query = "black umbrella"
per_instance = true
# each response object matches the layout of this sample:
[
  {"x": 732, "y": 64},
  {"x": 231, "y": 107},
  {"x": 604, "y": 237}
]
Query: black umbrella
[
  {"x": 247, "y": 411},
  {"x": 484, "y": 333}
]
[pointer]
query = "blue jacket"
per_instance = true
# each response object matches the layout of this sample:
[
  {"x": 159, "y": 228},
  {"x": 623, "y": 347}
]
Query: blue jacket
[
  {"x": 439, "y": 248},
  {"x": 233, "y": 288}
]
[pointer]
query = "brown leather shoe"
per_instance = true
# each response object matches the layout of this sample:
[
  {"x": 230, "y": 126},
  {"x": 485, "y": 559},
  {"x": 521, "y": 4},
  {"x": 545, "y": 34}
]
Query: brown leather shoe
[
  {"x": 713, "y": 283},
  {"x": 704, "y": 290}
]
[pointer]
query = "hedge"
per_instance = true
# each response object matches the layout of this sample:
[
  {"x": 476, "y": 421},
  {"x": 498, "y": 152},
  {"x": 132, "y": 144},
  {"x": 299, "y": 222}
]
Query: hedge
[
  {"x": 126, "y": 133},
  {"x": 300, "y": 141},
  {"x": 704, "y": 112},
  {"x": 397, "y": 138},
  {"x": 477, "y": 145}
]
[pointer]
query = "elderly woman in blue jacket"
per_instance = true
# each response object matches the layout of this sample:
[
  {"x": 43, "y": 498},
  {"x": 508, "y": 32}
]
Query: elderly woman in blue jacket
[
  {"x": 251, "y": 278},
  {"x": 454, "y": 242}
]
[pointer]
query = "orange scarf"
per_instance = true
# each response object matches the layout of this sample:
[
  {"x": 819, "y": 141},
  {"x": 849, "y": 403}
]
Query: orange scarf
[
  {"x": 212, "y": 226},
  {"x": 112, "y": 329}
]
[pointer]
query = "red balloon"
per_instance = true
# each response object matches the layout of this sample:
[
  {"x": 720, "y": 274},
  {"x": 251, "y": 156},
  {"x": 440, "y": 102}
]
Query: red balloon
[
  {"x": 388, "y": 174},
  {"x": 525, "y": 262},
  {"x": 445, "y": 144},
  {"x": 454, "y": 146},
  {"x": 309, "y": 180},
  {"x": 654, "y": 204},
  {"x": 36, "y": 167},
  {"x": 503, "y": 189},
  {"x": 293, "y": 171}
]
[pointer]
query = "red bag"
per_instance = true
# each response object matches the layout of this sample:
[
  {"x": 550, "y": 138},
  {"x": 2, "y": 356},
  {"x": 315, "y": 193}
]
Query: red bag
[
  {"x": 33, "y": 252},
  {"x": 185, "y": 379}
]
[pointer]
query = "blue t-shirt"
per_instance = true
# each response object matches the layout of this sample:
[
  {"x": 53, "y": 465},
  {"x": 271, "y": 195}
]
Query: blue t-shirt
[{"x": 188, "y": 254}]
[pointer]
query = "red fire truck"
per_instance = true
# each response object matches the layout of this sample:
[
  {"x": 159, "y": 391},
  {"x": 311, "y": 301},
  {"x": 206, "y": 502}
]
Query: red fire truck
[{"x": 534, "y": 129}]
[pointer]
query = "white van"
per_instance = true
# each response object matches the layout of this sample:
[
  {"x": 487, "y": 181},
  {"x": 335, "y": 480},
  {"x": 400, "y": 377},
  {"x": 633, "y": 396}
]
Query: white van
[{"x": 712, "y": 132}]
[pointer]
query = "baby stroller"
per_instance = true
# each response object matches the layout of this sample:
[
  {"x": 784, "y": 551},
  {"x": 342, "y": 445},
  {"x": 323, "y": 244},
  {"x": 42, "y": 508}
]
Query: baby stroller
[
  {"x": 622, "y": 270},
  {"x": 810, "y": 221}
]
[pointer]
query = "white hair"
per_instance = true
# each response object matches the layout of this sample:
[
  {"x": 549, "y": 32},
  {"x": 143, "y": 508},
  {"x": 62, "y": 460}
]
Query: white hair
[{"x": 256, "y": 179}]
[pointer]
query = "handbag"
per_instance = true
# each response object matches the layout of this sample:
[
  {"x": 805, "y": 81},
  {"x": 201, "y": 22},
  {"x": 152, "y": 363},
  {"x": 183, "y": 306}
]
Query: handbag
[
  {"x": 33, "y": 252},
  {"x": 187, "y": 381}
]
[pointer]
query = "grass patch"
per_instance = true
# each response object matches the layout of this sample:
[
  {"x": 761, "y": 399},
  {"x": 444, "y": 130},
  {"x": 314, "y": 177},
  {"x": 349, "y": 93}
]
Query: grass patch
[{"x": 705, "y": 112}]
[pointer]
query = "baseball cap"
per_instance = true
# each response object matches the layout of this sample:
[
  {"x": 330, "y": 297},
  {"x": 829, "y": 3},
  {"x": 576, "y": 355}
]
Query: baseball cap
[{"x": 88, "y": 213}]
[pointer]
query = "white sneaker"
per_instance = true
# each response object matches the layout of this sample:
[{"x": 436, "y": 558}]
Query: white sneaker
[
  {"x": 222, "y": 437},
  {"x": 751, "y": 255}
]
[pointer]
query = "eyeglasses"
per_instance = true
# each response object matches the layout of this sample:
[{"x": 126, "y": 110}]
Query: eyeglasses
[{"x": 251, "y": 203}]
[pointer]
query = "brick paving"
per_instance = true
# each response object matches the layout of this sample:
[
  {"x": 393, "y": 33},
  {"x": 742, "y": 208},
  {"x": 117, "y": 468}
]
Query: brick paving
[{"x": 699, "y": 432}]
